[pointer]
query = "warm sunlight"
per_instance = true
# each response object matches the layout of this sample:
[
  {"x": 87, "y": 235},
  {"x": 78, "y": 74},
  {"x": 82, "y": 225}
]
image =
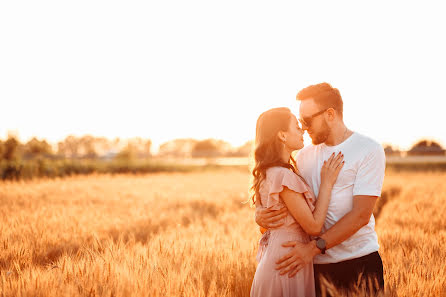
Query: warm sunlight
[
  {"x": 222, "y": 148},
  {"x": 165, "y": 70}
]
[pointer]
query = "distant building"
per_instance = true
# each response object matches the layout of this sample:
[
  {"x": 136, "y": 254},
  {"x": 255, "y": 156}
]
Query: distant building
[{"x": 426, "y": 148}]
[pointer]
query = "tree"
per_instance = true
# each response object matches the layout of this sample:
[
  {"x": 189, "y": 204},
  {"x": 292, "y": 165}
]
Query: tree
[
  {"x": 136, "y": 148},
  {"x": 210, "y": 148},
  {"x": 181, "y": 147},
  {"x": 2, "y": 149},
  {"x": 87, "y": 147},
  {"x": 127, "y": 153},
  {"x": 102, "y": 145},
  {"x": 69, "y": 147},
  {"x": 391, "y": 151},
  {"x": 243, "y": 151},
  {"x": 426, "y": 147},
  {"x": 35, "y": 148},
  {"x": 10, "y": 149}
]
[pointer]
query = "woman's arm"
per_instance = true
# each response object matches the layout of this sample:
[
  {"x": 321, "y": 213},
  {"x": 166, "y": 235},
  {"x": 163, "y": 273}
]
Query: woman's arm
[
  {"x": 295, "y": 202},
  {"x": 311, "y": 222}
]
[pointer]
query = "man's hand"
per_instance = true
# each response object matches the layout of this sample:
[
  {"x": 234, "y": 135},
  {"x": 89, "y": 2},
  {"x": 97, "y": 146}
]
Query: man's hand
[
  {"x": 267, "y": 218},
  {"x": 301, "y": 255}
]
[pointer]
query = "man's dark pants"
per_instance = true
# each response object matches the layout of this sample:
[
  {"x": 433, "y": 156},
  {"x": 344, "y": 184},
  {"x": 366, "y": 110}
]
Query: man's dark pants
[{"x": 344, "y": 275}]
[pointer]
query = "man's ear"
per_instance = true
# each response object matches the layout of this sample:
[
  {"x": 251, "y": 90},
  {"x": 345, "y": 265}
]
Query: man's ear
[{"x": 331, "y": 113}]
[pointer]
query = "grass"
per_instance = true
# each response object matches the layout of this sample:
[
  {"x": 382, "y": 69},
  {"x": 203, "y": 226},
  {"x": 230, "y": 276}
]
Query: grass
[{"x": 186, "y": 234}]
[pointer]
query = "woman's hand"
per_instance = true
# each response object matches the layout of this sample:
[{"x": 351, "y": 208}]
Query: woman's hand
[
  {"x": 330, "y": 169},
  {"x": 268, "y": 218}
]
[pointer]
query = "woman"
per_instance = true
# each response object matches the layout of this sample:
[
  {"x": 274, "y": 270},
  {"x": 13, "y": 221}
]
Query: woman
[{"x": 277, "y": 184}]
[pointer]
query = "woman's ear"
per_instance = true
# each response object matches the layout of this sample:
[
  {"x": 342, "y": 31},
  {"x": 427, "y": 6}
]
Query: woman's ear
[{"x": 282, "y": 136}]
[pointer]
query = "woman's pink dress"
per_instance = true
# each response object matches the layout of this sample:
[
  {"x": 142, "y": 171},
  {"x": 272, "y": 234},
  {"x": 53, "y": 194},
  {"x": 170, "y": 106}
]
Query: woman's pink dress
[{"x": 267, "y": 280}]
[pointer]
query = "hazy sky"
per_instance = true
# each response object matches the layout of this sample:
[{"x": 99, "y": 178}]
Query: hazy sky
[{"x": 171, "y": 69}]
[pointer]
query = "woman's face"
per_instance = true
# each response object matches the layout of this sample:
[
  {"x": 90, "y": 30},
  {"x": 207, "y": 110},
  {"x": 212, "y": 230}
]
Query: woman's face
[{"x": 294, "y": 135}]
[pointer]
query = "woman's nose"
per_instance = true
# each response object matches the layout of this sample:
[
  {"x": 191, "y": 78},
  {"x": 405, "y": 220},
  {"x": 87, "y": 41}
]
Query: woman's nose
[{"x": 303, "y": 125}]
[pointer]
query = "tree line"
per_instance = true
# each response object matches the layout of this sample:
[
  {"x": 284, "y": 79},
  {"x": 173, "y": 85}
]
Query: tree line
[
  {"x": 72, "y": 147},
  {"x": 88, "y": 154},
  {"x": 90, "y": 147}
]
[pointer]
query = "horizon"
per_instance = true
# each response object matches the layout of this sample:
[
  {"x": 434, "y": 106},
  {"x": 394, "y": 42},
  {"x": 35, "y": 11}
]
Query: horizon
[{"x": 156, "y": 145}]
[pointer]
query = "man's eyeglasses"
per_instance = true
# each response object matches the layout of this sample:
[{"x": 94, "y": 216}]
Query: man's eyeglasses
[{"x": 306, "y": 121}]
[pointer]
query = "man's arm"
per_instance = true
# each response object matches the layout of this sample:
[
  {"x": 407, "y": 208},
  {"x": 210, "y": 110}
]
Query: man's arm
[
  {"x": 369, "y": 180},
  {"x": 268, "y": 218},
  {"x": 357, "y": 218},
  {"x": 348, "y": 225}
]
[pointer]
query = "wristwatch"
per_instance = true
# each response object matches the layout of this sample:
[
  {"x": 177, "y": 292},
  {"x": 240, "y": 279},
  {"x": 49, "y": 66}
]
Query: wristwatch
[{"x": 321, "y": 244}]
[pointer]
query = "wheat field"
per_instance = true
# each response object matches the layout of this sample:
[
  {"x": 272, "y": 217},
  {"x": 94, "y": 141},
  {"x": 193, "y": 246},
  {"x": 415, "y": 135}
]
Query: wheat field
[{"x": 187, "y": 234}]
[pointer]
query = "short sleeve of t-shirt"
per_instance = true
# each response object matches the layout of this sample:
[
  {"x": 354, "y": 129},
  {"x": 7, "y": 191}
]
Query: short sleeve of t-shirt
[{"x": 370, "y": 174}]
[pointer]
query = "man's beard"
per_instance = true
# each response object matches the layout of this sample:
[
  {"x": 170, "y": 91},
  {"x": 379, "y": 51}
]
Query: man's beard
[{"x": 322, "y": 136}]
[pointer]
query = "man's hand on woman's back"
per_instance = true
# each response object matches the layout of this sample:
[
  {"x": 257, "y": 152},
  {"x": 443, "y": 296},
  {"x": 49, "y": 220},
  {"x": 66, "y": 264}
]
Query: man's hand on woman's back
[{"x": 267, "y": 218}]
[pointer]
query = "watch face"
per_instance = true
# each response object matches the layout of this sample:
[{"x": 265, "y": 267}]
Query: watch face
[{"x": 320, "y": 243}]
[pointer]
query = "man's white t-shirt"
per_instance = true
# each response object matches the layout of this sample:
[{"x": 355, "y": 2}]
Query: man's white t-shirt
[{"x": 362, "y": 174}]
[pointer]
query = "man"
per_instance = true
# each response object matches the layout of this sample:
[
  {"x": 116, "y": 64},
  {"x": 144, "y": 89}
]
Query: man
[{"x": 348, "y": 247}]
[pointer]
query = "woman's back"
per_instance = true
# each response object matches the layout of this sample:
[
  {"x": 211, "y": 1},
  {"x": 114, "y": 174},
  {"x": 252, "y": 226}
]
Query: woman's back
[{"x": 267, "y": 281}]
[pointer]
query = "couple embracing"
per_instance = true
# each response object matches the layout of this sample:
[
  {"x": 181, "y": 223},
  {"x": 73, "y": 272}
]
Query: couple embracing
[{"x": 315, "y": 212}]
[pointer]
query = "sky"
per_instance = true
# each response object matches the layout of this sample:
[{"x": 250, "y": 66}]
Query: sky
[{"x": 207, "y": 69}]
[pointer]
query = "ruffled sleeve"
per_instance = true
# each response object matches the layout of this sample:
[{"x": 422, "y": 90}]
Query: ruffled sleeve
[{"x": 280, "y": 177}]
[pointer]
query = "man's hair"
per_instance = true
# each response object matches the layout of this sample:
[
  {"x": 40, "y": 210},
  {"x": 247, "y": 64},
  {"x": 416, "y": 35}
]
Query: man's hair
[{"x": 323, "y": 95}]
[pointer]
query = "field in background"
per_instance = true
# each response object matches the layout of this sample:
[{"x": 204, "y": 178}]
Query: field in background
[{"x": 187, "y": 234}]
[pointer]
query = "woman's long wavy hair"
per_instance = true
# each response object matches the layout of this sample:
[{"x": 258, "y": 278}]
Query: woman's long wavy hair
[{"x": 268, "y": 147}]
